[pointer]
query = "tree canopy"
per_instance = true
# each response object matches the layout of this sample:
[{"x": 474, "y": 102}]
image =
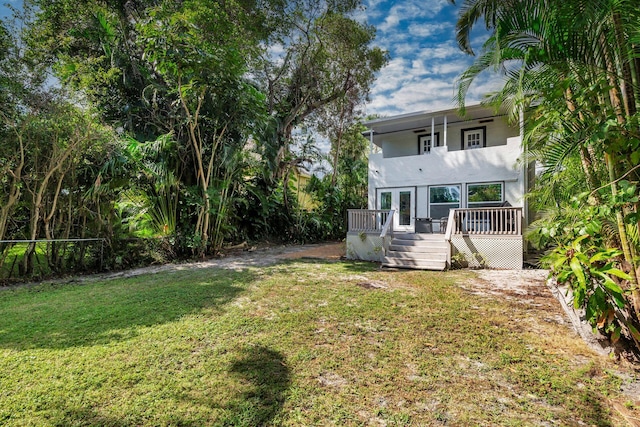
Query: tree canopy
[{"x": 189, "y": 106}]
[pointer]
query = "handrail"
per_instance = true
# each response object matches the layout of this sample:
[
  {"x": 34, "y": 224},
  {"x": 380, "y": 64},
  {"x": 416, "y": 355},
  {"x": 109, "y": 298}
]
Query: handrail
[
  {"x": 388, "y": 224},
  {"x": 450, "y": 225}
]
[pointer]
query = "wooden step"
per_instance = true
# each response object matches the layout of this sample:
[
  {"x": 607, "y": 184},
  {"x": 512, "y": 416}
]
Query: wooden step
[
  {"x": 415, "y": 264},
  {"x": 419, "y": 236},
  {"x": 434, "y": 256},
  {"x": 412, "y": 248},
  {"x": 421, "y": 243},
  {"x": 422, "y": 251}
]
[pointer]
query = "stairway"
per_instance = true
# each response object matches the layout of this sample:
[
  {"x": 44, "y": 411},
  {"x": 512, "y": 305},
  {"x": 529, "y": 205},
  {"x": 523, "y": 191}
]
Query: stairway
[{"x": 418, "y": 251}]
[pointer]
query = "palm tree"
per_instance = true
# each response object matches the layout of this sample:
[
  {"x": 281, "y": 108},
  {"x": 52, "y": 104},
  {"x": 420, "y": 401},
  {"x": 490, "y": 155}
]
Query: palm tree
[{"x": 574, "y": 64}]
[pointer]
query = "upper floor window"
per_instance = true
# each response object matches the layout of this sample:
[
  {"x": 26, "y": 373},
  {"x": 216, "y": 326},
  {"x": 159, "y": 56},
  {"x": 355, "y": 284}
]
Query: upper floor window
[
  {"x": 425, "y": 143},
  {"x": 474, "y": 138}
]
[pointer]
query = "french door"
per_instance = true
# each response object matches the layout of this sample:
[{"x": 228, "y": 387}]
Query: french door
[{"x": 403, "y": 201}]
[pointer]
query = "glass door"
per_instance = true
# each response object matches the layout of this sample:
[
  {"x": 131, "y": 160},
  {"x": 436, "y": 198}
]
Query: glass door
[{"x": 402, "y": 200}]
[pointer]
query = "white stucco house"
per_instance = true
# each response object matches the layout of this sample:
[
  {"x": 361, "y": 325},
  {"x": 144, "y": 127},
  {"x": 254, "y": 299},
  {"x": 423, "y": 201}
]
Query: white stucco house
[{"x": 443, "y": 188}]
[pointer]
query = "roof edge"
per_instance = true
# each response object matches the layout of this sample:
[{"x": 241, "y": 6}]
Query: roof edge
[{"x": 410, "y": 116}]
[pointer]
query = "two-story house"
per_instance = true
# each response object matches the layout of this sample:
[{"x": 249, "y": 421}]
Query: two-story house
[{"x": 442, "y": 185}]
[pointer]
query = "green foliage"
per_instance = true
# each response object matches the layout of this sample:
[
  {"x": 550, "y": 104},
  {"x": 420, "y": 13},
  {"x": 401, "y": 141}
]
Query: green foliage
[
  {"x": 159, "y": 68},
  {"x": 328, "y": 66},
  {"x": 584, "y": 257},
  {"x": 593, "y": 275},
  {"x": 174, "y": 122},
  {"x": 572, "y": 68}
]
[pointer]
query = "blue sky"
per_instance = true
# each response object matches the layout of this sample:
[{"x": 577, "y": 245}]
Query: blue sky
[
  {"x": 424, "y": 57},
  {"x": 4, "y": 10}
]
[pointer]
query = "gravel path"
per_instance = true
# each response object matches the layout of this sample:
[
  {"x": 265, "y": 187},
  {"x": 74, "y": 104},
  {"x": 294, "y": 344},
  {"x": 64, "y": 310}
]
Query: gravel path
[{"x": 236, "y": 260}]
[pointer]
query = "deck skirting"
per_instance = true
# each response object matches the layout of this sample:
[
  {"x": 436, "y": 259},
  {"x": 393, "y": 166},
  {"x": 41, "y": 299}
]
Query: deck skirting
[
  {"x": 366, "y": 246},
  {"x": 488, "y": 251}
]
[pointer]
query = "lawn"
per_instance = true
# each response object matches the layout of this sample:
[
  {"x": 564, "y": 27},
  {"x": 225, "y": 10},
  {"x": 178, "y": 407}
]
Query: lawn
[{"x": 295, "y": 344}]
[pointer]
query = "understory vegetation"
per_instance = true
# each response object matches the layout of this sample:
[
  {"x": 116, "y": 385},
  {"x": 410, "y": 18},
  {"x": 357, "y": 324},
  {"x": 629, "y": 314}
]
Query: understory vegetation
[
  {"x": 298, "y": 343},
  {"x": 170, "y": 129},
  {"x": 573, "y": 69}
]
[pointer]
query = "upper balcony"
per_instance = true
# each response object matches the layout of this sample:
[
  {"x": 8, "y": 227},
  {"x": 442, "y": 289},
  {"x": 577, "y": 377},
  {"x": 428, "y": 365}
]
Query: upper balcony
[
  {"x": 443, "y": 166},
  {"x": 441, "y": 147}
]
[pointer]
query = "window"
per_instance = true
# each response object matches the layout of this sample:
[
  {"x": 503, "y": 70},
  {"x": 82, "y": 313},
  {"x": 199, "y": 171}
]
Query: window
[
  {"x": 474, "y": 138},
  {"x": 443, "y": 198},
  {"x": 385, "y": 201},
  {"x": 405, "y": 208},
  {"x": 425, "y": 143},
  {"x": 385, "y": 205},
  {"x": 484, "y": 195}
]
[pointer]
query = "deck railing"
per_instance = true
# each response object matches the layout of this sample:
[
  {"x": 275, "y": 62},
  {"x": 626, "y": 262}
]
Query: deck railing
[
  {"x": 371, "y": 220},
  {"x": 489, "y": 221}
]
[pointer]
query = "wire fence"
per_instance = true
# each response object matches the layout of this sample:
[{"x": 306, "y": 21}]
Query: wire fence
[{"x": 33, "y": 259}]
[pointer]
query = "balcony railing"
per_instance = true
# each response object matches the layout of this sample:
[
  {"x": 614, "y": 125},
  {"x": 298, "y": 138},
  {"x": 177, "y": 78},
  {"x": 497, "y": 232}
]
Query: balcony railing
[
  {"x": 371, "y": 220},
  {"x": 488, "y": 221}
]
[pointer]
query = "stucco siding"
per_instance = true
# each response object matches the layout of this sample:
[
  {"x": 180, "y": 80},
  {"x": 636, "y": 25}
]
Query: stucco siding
[
  {"x": 491, "y": 164},
  {"x": 366, "y": 246}
]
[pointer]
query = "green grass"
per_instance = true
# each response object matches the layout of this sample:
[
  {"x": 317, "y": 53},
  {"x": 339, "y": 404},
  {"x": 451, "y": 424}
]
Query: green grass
[{"x": 302, "y": 343}]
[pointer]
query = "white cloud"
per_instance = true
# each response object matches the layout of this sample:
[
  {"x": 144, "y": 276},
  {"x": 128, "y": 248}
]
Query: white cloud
[
  {"x": 425, "y": 58},
  {"x": 406, "y": 49},
  {"x": 456, "y": 67},
  {"x": 409, "y": 11},
  {"x": 442, "y": 51},
  {"x": 392, "y": 76},
  {"x": 389, "y": 23},
  {"x": 425, "y": 29},
  {"x": 425, "y": 94}
]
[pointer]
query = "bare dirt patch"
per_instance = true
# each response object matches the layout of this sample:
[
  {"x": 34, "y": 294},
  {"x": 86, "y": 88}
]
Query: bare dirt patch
[
  {"x": 522, "y": 286},
  {"x": 329, "y": 251},
  {"x": 372, "y": 285},
  {"x": 237, "y": 259},
  {"x": 530, "y": 288},
  {"x": 548, "y": 304}
]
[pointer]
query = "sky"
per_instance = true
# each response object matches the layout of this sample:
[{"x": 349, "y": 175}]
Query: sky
[{"x": 424, "y": 57}]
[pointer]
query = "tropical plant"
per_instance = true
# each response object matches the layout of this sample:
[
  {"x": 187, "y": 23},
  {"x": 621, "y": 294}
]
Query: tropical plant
[
  {"x": 206, "y": 73},
  {"x": 573, "y": 66}
]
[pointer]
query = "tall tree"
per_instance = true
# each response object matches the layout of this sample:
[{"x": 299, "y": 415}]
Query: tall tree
[
  {"x": 575, "y": 63},
  {"x": 317, "y": 58},
  {"x": 208, "y": 74},
  {"x": 174, "y": 69}
]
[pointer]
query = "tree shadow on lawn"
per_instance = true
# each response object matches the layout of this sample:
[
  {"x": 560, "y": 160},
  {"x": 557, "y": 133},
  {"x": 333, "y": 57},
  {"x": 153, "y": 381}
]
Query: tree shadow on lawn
[
  {"x": 264, "y": 379},
  {"x": 63, "y": 316},
  {"x": 80, "y": 416},
  {"x": 267, "y": 378}
]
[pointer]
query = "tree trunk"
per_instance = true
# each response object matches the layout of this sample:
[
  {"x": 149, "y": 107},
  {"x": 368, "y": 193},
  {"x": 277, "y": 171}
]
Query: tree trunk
[{"x": 616, "y": 102}]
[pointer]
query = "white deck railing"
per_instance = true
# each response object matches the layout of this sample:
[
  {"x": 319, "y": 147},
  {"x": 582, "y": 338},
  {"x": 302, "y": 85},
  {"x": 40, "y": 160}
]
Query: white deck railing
[
  {"x": 371, "y": 221},
  {"x": 488, "y": 221},
  {"x": 506, "y": 221}
]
